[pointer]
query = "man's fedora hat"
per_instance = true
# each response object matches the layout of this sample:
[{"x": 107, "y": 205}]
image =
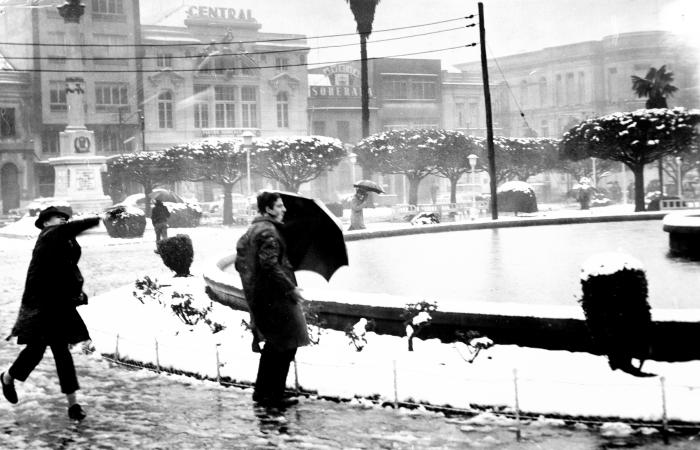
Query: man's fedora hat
[{"x": 48, "y": 213}]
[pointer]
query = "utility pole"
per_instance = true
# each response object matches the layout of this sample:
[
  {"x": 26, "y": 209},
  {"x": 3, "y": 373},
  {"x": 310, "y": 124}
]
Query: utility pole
[
  {"x": 489, "y": 119},
  {"x": 142, "y": 121}
]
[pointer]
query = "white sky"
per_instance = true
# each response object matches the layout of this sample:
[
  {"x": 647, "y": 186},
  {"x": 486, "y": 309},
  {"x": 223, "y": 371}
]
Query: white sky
[{"x": 512, "y": 26}]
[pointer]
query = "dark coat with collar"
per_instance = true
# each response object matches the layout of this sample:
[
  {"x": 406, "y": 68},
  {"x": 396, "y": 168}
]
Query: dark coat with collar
[
  {"x": 53, "y": 288},
  {"x": 268, "y": 281}
]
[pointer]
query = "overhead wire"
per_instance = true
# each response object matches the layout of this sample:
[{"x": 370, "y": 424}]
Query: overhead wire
[
  {"x": 517, "y": 104},
  {"x": 267, "y": 52},
  {"x": 158, "y": 70},
  {"x": 255, "y": 41}
]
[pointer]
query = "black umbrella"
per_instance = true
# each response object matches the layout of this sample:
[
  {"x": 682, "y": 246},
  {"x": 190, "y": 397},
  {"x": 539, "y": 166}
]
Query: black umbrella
[
  {"x": 165, "y": 196},
  {"x": 314, "y": 239},
  {"x": 369, "y": 185}
]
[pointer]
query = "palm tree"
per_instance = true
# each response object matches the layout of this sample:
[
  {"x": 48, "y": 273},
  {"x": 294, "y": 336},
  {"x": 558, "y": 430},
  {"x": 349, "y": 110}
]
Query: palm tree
[
  {"x": 656, "y": 86},
  {"x": 363, "y": 10}
]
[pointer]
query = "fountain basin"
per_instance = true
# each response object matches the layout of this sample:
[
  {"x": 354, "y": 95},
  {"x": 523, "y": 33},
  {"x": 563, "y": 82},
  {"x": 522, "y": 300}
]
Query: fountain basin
[{"x": 683, "y": 234}]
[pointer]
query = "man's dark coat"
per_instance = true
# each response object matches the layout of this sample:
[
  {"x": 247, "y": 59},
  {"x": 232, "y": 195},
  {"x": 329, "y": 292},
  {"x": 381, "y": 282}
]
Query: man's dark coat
[
  {"x": 268, "y": 281},
  {"x": 53, "y": 288}
]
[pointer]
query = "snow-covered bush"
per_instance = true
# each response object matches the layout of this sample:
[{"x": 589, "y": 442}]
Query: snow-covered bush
[
  {"x": 417, "y": 317},
  {"x": 183, "y": 215},
  {"x": 516, "y": 196},
  {"x": 357, "y": 333},
  {"x": 617, "y": 312},
  {"x": 177, "y": 254},
  {"x": 190, "y": 314},
  {"x": 125, "y": 222}
]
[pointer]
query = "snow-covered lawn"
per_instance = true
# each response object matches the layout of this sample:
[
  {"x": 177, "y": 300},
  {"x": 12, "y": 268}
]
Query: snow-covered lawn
[{"x": 548, "y": 382}]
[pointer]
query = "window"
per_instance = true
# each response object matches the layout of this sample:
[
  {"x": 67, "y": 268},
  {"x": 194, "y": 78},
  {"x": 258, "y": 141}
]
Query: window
[
  {"x": 110, "y": 46},
  {"x": 422, "y": 90},
  {"x": 165, "y": 109},
  {"x": 318, "y": 128},
  {"x": 343, "y": 130},
  {"x": 570, "y": 99},
  {"x": 201, "y": 106},
  {"x": 281, "y": 64},
  {"x": 57, "y": 96},
  {"x": 108, "y": 140},
  {"x": 7, "y": 123},
  {"x": 612, "y": 83},
  {"x": 249, "y": 107},
  {"x": 110, "y": 96},
  {"x": 396, "y": 89},
  {"x": 282, "y": 110},
  {"x": 543, "y": 91},
  {"x": 558, "y": 96},
  {"x": 164, "y": 59},
  {"x": 523, "y": 92},
  {"x": 459, "y": 108},
  {"x": 108, "y": 6},
  {"x": 224, "y": 106},
  {"x": 50, "y": 143},
  {"x": 581, "y": 87},
  {"x": 409, "y": 89}
]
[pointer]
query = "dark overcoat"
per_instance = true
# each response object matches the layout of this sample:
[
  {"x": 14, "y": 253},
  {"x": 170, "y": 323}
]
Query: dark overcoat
[
  {"x": 268, "y": 281},
  {"x": 54, "y": 283}
]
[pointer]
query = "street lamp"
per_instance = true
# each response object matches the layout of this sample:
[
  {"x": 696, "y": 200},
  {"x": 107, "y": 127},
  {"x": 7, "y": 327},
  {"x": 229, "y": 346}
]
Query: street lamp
[
  {"x": 472, "y": 163},
  {"x": 247, "y": 143}
]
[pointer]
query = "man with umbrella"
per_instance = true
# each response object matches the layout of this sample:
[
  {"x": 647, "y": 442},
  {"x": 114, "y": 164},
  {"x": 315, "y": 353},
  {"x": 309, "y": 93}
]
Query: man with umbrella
[
  {"x": 359, "y": 201},
  {"x": 159, "y": 218},
  {"x": 273, "y": 298}
]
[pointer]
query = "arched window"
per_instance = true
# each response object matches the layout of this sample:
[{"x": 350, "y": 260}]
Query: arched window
[
  {"x": 543, "y": 92},
  {"x": 165, "y": 109},
  {"x": 282, "y": 110}
]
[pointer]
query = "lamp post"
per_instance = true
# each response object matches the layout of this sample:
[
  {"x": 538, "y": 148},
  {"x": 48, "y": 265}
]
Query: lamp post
[
  {"x": 353, "y": 161},
  {"x": 247, "y": 143},
  {"x": 679, "y": 177},
  {"x": 472, "y": 163}
]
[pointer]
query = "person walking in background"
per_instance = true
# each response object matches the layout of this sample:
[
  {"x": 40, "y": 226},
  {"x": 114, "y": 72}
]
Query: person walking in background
[
  {"x": 358, "y": 203},
  {"x": 47, "y": 315},
  {"x": 274, "y": 300},
  {"x": 159, "y": 218}
]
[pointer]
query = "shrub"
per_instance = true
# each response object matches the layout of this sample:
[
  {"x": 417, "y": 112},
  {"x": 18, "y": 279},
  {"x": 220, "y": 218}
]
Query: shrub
[
  {"x": 183, "y": 215},
  {"x": 516, "y": 196},
  {"x": 615, "y": 304},
  {"x": 177, "y": 254},
  {"x": 125, "y": 222}
]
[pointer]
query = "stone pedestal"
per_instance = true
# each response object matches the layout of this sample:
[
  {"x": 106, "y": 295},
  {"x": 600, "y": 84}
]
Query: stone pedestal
[{"x": 78, "y": 172}]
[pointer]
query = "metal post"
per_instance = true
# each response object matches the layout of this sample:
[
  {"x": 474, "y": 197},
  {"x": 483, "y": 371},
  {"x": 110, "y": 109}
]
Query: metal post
[
  {"x": 247, "y": 170},
  {"x": 218, "y": 364},
  {"x": 157, "y": 357},
  {"x": 116, "y": 348},
  {"x": 517, "y": 405},
  {"x": 396, "y": 390},
  {"x": 142, "y": 119},
  {"x": 664, "y": 418},
  {"x": 489, "y": 119},
  {"x": 679, "y": 162}
]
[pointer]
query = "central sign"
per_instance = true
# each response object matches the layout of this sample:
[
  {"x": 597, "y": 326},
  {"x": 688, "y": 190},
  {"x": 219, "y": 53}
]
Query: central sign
[{"x": 228, "y": 14}]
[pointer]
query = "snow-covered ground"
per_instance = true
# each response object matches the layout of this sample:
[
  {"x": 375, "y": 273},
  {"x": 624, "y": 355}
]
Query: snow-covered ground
[{"x": 548, "y": 382}]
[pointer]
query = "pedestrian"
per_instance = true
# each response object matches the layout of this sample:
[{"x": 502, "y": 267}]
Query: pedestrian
[
  {"x": 359, "y": 201},
  {"x": 159, "y": 218},
  {"x": 47, "y": 315},
  {"x": 274, "y": 300}
]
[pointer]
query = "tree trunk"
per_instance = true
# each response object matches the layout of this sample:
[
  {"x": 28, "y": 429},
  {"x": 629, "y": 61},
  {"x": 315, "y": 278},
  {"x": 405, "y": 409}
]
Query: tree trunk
[
  {"x": 453, "y": 188},
  {"x": 638, "y": 172},
  {"x": 661, "y": 175},
  {"x": 291, "y": 187},
  {"x": 147, "y": 189},
  {"x": 413, "y": 184},
  {"x": 228, "y": 203},
  {"x": 364, "y": 86}
]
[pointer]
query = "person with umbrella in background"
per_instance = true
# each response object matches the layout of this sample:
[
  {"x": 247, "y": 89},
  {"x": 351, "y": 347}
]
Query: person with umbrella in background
[
  {"x": 159, "y": 218},
  {"x": 47, "y": 315},
  {"x": 274, "y": 300},
  {"x": 359, "y": 201}
]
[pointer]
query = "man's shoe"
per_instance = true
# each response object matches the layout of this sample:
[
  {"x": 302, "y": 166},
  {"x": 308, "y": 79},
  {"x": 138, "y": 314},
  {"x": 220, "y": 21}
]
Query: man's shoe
[
  {"x": 8, "y": 390},
  {"x": 76, "y": 412},
  {"x": 279, "y": 403}
]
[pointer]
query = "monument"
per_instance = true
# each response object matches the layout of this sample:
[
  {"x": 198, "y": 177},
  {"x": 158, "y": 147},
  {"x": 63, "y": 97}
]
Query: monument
[{"x": 78, "y": 169}]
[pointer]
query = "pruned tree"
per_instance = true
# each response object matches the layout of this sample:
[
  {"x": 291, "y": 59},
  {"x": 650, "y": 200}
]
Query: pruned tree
[
  {"x": 634, "y": 138},
  {"x": 407, "y": 152},
  {"x": 219, "y": 160},
  {"x": 451, "y": 151},
  {"x": 526, "y": 157},
  {"x": 149, "y": 169},
  {"x": 296, "y": 160}
]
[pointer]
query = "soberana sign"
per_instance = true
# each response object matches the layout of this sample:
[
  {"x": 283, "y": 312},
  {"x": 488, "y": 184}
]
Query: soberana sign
[{"x": 344, "y": 82}]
